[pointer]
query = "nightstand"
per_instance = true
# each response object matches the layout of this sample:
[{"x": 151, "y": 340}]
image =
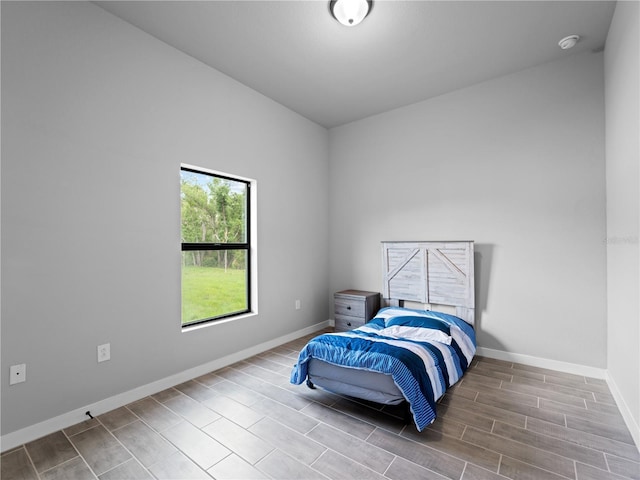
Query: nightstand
[{"x": 354, "y": 308}]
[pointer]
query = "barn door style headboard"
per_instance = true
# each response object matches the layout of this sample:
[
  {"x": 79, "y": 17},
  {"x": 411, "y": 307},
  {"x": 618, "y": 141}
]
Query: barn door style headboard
[{"x": 431, "y": 273}]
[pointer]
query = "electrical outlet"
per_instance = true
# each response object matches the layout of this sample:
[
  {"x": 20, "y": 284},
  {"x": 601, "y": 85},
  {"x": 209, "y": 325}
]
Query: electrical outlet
[
  {"x": 298, "y": 305},
  {"x": 104, "y": 352},
  {"x": 17, "y": 373}
]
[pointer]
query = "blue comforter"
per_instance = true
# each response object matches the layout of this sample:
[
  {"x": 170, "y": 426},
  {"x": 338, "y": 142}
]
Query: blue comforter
[{"x": 425, "y": 352}]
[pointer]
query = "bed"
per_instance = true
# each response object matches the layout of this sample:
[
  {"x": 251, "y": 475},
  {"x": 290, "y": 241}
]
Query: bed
[{"x": 418, "y": 345}]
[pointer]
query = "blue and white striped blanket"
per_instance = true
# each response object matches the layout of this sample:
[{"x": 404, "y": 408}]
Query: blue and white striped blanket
[{"x": 425, "y": 352}]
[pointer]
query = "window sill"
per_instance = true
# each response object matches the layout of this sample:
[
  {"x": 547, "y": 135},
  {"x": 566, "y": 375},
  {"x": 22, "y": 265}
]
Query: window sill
[{"x": 213, "y": 323}]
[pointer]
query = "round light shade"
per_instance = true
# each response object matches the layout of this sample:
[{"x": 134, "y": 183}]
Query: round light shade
[
  {"x": 569, "y": 42},
  {"x": 350, "y": 12}
]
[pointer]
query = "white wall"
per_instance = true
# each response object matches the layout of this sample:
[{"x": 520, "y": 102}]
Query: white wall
[
  {"x": 96, "y": 118},
  {"x": 622, "y": 81},
  {"x": 515, "y": 164}
]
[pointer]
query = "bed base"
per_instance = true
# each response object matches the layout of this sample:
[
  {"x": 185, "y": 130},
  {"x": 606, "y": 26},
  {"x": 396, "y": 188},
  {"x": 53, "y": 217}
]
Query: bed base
[{"x": 407, "y": 415}]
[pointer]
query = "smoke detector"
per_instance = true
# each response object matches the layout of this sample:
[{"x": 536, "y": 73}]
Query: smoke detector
[{"x": 569, "y": 42}]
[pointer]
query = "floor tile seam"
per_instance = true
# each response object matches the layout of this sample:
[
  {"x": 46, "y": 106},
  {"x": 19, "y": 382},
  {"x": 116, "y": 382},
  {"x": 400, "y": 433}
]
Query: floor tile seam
[
  {"x": 99, "y": 424},
  {"x": 511, "y": 408},
  {"x": 423, "y": 466},
  {"x": 331, "y": 427},
  {"x": 195, "y": 379},
  {"x": 283, "y": 390},
  {"x": 540, "y": 395},
  {"x": 69, "y": 460},
  {"x": 625, "y": 459},
  {"x": 540, "y": 391},
  {"x": 260, "y": 378},
  {"x": 395, "y": 457},
  {"x": 493, "y": 417},
  {"x": 358, "y": 418},
  {"x": 11, "y": 450},
  {"x": 348, "y": 458},
  {"x": 256, "y": 462},
  {"x": 552, "y": 438},
  {"x": 453, "y": 455},
  {"x": 614, "y": 422},
  {"x": 156, "y": 430},
  {"x": 587, "y": 393},
  {"x": 538, "y": 467},
  {"x": 606, "y": 461},
  {"x": 431, "y": 449},
  {"x": 248, "y": 375},
  {"x": 287, "y": 406},
  {"x": 33, "y": 465},
  {"x": 88, "y": 427},
  {"x": 607, "y": 455},
  {"x": 124, "y": 425},
  {"x": 588, "y": 434},
  {"x": 141, "y": 418},
  {"x": 485, "y": 469},
  {"x": 291, "y": 457},
  {"x": 154, "y": 395},
  {"x": 464, "y": 469},
  {"x": 609, "y": 471},
  {"x": 548, "y": 372},
  {"x": 189, "y": 421},
  {"x": 604, "y": 403},
  {"x": 239, "y": 426},
  {"x": 78, "y": 454},
  {"x": 502, "y": 456},
  {"x": 134, "y": 457},
  {"x": 583, "y": 387},
  {"x": 271, "y": 353},
  {"x": 539, "y": 448},
  {"x": 222, "y": 394},
  {"x": 497, "y": 392},
  {"x": 231, "y": 452},
  {"x": 543, "y": 408},
  {"x": 596, "y": 407},
  {"x": 288, "y": 428},
  {"x": 195, "y": 462}
]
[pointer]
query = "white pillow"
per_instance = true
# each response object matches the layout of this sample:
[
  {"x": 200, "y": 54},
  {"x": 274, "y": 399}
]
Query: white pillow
[{"x": 416, "y": 333}]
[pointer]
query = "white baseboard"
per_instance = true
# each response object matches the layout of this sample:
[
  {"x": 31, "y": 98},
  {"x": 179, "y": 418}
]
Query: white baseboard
[
  {"x": 556, "y": 365},
  {"x": 33, "y": 432},
  {"x": 633, "y": 427}
]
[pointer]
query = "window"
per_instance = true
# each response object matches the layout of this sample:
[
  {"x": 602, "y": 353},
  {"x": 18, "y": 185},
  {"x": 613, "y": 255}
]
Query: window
[{"x": 216, "y": 246}]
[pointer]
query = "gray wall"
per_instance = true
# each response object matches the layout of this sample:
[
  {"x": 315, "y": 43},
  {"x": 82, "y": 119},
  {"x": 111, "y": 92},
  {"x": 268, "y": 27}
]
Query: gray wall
[
  {"x": 622, "y": 67},
  {"x": 515, "y": 164},
  {"x": 96, "y": 118}
]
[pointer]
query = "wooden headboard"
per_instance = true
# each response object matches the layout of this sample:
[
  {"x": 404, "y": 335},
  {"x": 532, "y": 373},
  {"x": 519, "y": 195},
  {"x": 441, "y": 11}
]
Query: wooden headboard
[{"x": 434, "y": 274}]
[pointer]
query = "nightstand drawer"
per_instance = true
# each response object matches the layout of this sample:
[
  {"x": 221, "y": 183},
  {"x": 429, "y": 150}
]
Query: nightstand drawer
[
  {"x": 349, "y": 306},
  {"x": 347, "y": 323}
]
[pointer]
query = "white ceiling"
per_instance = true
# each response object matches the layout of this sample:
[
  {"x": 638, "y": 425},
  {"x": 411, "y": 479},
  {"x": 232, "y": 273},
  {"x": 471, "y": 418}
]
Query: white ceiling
[{"x": 296, "y": 53}]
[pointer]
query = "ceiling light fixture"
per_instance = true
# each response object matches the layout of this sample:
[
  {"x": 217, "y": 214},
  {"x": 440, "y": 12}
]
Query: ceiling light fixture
[
  {"x": 569, "y": 42},
  {"x": 350, "y": 12}
]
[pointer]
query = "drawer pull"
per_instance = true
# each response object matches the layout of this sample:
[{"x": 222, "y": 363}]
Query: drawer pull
[
  {"x": 348, "y": 324},
  {"x": 348, "y": 307}
]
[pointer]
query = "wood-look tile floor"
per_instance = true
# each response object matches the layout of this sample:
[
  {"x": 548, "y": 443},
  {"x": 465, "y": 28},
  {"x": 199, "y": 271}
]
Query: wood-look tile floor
[{"x": 246, "y": 421}]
